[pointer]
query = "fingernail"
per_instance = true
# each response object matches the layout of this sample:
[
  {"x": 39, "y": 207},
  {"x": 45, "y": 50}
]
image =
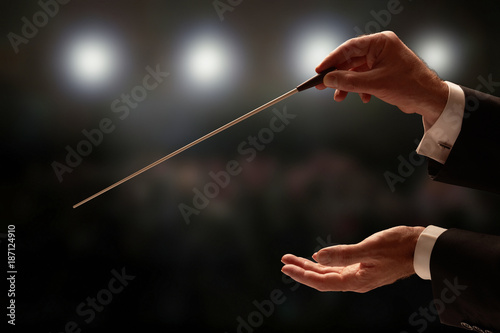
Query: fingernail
[
  {"x": 283, "y": 258},
  {"x": 331, "y": 81},
  {"x": 323, "y": 258}
]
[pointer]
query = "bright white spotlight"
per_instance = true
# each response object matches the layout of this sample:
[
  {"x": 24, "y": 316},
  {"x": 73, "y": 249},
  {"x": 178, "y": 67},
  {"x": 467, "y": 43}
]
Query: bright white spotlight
[
  {"x": 440, "y": 51},
  {"x": 92, "y": 61},
  {"x": 209, "y": 60},
  {"x": 315, "y": 48},
  {"x": 206, "y": 60},
  {"x": 311, "y": 44}
]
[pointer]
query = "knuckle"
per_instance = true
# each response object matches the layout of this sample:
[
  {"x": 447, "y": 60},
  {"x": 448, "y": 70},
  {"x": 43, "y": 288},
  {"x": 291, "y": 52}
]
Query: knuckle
[
  {"x": 391, "y": 38},
  {"x": 390, "y": 34},
  {"x": 349, "y": 50}
]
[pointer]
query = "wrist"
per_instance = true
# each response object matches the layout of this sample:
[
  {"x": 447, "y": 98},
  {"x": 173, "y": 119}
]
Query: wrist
[{"x": 435, "y": 102}]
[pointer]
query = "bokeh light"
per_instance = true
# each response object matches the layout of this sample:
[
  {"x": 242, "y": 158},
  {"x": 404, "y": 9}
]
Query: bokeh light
[
  {"x": 312, "y": 41},
  {"x": 206, "y": 59},
  {"x": 91, "y": 60},
  {"x": 209, "y": 60},
  {"x": 441, "y": 50}
]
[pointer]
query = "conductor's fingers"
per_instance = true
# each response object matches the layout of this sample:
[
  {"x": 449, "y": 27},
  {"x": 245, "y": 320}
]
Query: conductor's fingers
[
  {"x": 352, "y": 81},
  {"x": 319, "y": 281},
  {"x": 290, "y": 259},
  {"x": 343, "y": 255},
  {"x": 364, "y": 47}
]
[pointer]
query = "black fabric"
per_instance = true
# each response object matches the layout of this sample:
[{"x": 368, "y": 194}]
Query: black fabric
[
  {"x": 474, "y": 160},
  {"x": 465, "y": 272},
  {"x": 465, "y": 266}
]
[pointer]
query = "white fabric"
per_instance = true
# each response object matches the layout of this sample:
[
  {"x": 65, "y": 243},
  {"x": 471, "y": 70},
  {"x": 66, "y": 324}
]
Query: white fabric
[
  {"x": 438, "y": 140},
  {"x": 423, "y": 251}
]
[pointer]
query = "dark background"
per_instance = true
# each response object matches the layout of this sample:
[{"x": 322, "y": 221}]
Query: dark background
[{"x": 319, "y": 182}]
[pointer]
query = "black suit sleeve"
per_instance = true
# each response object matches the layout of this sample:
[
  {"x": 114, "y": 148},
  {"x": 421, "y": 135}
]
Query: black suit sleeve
[
  {"x": 465, "y": 272},
  {"x": 474, "y": 160},
  {"x": 465, "y": 266}
]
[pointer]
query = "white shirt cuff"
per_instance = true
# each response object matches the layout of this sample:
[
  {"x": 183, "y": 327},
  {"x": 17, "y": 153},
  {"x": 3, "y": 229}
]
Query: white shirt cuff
[
  {"x": 438, "y": 140},
  {"x": 423, "y": 251}
]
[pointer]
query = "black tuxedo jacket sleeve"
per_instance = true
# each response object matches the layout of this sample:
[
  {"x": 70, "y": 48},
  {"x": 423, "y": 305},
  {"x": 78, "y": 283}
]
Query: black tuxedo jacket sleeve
[{"x": 465, "y": 266}]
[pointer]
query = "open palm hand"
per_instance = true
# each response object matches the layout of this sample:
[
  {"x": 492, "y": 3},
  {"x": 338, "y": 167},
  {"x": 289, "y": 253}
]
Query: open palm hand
[{"x": 380, "y": 259}]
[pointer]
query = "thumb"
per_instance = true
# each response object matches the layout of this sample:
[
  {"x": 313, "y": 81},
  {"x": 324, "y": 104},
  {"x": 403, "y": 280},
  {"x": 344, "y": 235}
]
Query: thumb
[
  {"x": 342, "y": 255},
  {"x": 349, "y": 81}
]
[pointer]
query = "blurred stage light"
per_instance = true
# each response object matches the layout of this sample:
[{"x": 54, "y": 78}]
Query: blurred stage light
[
  {"x": 313, "y": 40},
  {"x": 441, "y": 51},
  {"x": 315, "y": 48},
  {"x": 91, "y": 60},
  {"x": 209, "y": 60}
]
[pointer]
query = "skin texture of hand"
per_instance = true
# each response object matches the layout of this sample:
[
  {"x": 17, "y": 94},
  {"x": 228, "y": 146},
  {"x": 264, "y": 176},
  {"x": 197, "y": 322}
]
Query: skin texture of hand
[
  {"x": 380, "y": 259},
  {"x": 383, "y": 66}
]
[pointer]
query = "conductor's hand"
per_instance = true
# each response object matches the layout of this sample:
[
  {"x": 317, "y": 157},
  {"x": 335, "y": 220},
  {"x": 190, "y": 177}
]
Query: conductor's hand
[
  {"x": 380, "y": 259},
  {"x": 383, "y": 66}
]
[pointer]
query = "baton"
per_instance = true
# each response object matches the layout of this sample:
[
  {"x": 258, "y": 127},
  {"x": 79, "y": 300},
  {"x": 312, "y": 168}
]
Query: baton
[{"x": 312, "y": 82}]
